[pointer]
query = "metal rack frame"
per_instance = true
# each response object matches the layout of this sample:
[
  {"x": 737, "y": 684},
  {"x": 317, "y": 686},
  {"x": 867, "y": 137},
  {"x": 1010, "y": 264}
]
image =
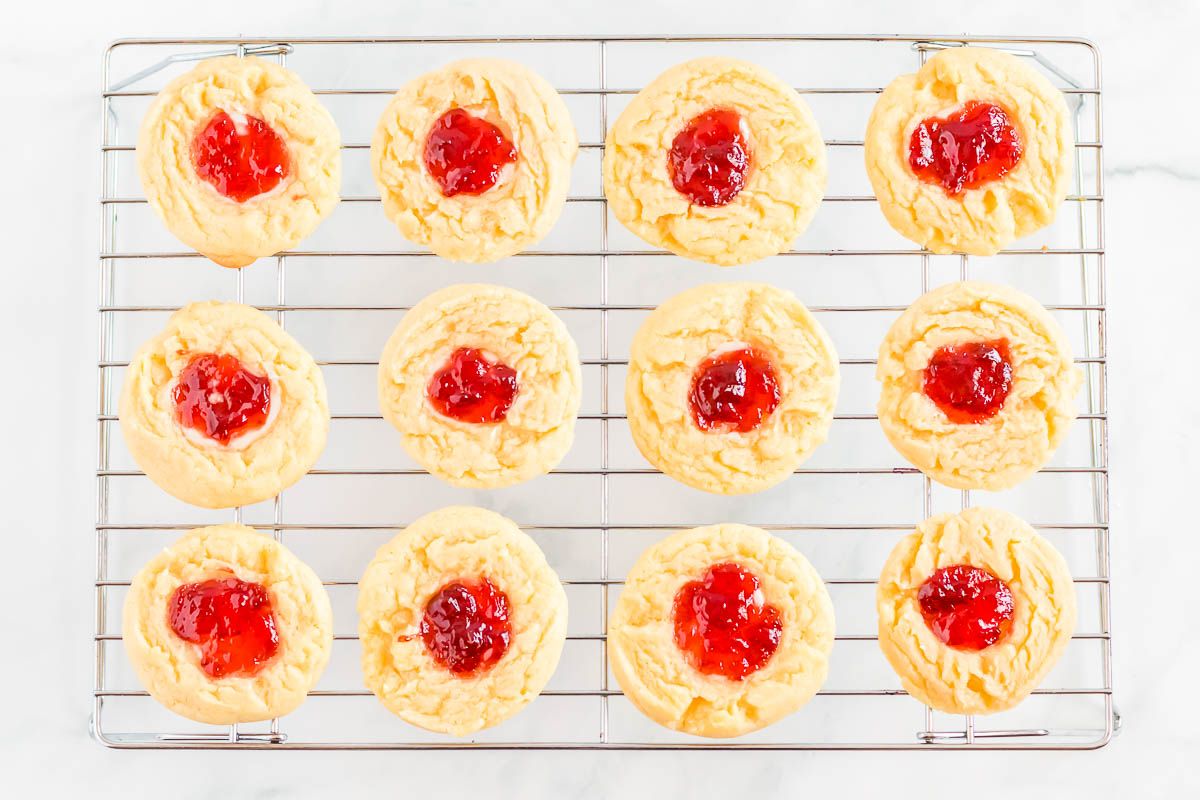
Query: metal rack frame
[{"x": 970, "y": 737}]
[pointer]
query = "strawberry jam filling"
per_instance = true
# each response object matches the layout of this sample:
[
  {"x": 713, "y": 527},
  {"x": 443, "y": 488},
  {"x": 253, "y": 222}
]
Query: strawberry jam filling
[
  {"x": 734, "y": 390},
  {"x": 969, "y": 382},
  {"x": 965, "y": 150},
  {"x": 709, "y": 158},
  {"x": 217, "y": 396},
  {"x": 230, "y": 622},
  {"x": 471, "y": 388},
  {"x": 465, "y": 154},
  {"x": 966, "y": 607},
  {"x": 723, "y": 625},
  {"x": 466, "y": 627},
  {"x": 241, "y": 159}
]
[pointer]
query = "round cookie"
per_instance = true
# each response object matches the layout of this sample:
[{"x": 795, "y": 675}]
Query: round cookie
[
  {"x": 987, "y": 218},
  {"x": 251, "y": 92},
  {"x": 965, "y": 681},
  {"x": 253, "y": 465},
  {"x": 511, "y": 331},
  {"x": 782, "y": 186},
  {"x": 664, "y": 683},
  {"x": 686, "y": 330},
  {"x": 520, "y": 208},
  {"x": 1005, "y": 449},
  {"x": 171, "y": 668},
  {"x": 458, "y": 544}
]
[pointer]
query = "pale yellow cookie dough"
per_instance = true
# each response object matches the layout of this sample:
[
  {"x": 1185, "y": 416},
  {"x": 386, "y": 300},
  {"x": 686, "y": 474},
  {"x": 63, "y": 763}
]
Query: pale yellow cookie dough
[
  {"x": 1000, "y": 452},
  {"x": 998, "y": 677},
  {"x": 656, "y": 675},
  {"x": 784, "y": 185},
  {"x": 254, "y": 466},
  {"x": 235, "y": 234},
  {"x": 523, "y": 205},
  {"x": 507, "y": 326},
  {"x": 169, "y": 667},
  {"x": 986, "y": 219},
  {"x": 459, "y": 543},
  {"x": 685, "y": 330}
]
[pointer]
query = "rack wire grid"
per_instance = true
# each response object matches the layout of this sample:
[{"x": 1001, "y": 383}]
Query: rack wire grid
[{"x": 845, "y": 509}]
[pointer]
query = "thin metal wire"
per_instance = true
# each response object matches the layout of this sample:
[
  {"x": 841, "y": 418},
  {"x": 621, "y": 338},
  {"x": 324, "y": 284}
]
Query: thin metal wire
[{"x": 1091, "y": 310}]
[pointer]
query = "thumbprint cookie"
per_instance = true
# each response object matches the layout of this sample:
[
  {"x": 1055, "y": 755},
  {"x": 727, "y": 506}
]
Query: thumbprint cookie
[
  {"x": 223, "y": 408},
  {"x": 461, "y": 621},
  {"x": 978, "y": 385},
  {"x": 239, "y": 159},
  {"x": 730, "y": 386},
  {"x": 974, "y": 610},
  {"x": 227, "y": 625},
  {"x": 716, "y": 160},
  {"x": 970, "y": 153},
  {"x": 720, "y": 631},
  {"x": 474, "y": 160},
  {"x": 483, "y": 383}
]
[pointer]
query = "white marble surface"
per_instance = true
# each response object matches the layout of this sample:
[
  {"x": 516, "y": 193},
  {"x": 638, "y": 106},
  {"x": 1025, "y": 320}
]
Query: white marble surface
[{"x": 50, "y": 57}]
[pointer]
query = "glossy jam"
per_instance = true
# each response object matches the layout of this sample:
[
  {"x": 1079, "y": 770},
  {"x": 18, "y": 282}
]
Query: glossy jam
[
  {"x": 466, "y": 627},
  {"x": 966, "y": 149},
  {"x": 465, "y": 154},
  {"x": 709, "y": 158},
  {"x": 217, "y": 396},
  {"x": 734, "y": 390},
  {"x": 471, "y": 388},
  {"x": 229, "y": 620},
  {"x": 966, "y": 607},
  {"x": 969, "y": 382},
  {"x": 241, "y": 161},
  {"x": 723, "y": 625}
]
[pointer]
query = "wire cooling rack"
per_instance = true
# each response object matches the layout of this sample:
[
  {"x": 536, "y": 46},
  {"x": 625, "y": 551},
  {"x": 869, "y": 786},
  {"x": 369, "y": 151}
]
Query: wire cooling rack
[{"x": 845, "y": 509}]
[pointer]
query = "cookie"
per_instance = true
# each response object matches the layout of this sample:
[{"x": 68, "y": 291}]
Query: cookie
[
  {"x": 974, "y": 610},
  {"x": 730, "y": 386},
  {"x": 239, "y": 159},
  {"x": 716, "y": 160},
  {"x": 223, "y": 408},
  {"x": 474, "y": 160},
  {"x": 978, "y": 385},
  {"x": 970, "y": 153},
  {"x": 461, "y": 621},
  {"x": 483, "y": 383},
  {"x": 720, "y": 631},
  {"x": 227, "y": 625}
]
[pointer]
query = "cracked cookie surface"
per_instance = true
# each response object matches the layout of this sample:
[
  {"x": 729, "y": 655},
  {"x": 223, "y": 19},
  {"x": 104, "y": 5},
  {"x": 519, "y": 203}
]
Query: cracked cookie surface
[
  {"x": 658, "y": 678},
  {"x": 169, "y": 667},
  {"x": 985, "y": 219},
  {"x": 230, "y": 233},
  {"x": 511, "y": 328},
  {"x": 683, "y": 332},
  {"x": 783, "y": 187},
  {"x": 999, "y": 452},
  {"x": 459, "y": 543},
  {"x": 204, "y": 472},
  {"x": 998, "y": 677}
]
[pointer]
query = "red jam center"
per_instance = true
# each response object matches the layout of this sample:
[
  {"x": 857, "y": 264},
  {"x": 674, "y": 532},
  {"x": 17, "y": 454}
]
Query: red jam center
[
  {"x": 965, "y": 150},
  {"x": 220, "y": 398},
  {"x": 466, "y": 626},
  {"x": 241, "y": 161},
  {"x": 966, "y": 607},
  {"x": 470, "y": 388},
  {"x": 734, "y": 391},
  {"x": 229, "y": 620},
  {"x": 709, "y": 158},
  {"x": 969, "y": 382},
  {"x": 723, "y": 625},
  {"x": 465, "y": 153}
]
